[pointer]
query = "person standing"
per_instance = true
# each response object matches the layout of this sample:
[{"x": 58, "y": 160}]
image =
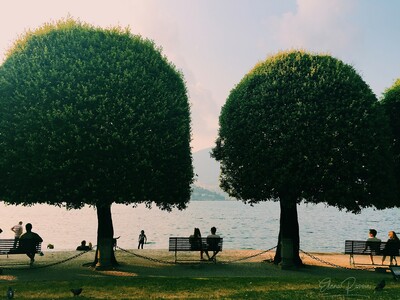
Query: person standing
[
  {"x": 17, "y": 229},
  {"x": 142, "y": 239},
  {"x": 28, "y": 242}
]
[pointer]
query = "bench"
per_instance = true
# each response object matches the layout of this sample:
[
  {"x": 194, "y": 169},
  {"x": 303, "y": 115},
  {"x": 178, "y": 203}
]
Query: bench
[
  {"x": 361, "y": 248},
  {"x": 7, "y": 247},
  {"x": 177, "y": 244}
]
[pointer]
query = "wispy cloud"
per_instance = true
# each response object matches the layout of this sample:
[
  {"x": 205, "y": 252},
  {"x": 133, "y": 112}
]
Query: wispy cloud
[
  {"x": 317, "y": 25},
  {"x": 205, "y": 113}
]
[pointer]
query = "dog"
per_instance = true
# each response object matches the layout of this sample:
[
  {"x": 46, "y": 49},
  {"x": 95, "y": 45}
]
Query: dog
[{"x": 115, "y": 242}]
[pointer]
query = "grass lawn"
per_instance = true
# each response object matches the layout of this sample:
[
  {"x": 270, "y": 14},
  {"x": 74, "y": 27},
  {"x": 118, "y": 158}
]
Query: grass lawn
[{"x": 137, "y": 278}]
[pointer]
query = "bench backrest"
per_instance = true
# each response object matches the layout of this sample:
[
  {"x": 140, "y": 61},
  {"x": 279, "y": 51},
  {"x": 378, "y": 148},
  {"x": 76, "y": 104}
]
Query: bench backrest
[
  {"x": 190, "y": 244},
  {"x": 363, "y": 247},
  {"x": 7, "y": 246}
]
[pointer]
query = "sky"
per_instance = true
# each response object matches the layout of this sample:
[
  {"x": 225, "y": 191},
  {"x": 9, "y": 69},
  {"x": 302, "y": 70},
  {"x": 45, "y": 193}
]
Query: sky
[{"x": 215, "y": 43}]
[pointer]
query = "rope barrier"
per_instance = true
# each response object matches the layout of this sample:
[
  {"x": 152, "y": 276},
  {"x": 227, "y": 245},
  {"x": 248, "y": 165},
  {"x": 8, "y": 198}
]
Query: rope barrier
[
  {"x": 32, "y": 267},
  {"x": 248, "y": 257},
  {"x": 332, "y": 264},
  {"x": 146, "y": 257},
  {"x": 173, "y": 262}
]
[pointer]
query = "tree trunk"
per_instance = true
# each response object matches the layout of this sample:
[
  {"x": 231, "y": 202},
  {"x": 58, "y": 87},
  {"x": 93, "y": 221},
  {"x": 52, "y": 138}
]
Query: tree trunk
[
  {"x": 105, "y": 257},
  {"x": 289, "y": 235}
]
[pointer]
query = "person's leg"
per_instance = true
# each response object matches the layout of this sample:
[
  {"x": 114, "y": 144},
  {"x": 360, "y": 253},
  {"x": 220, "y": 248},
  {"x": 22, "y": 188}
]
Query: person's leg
[
  {"x": 383, "y": 258},
  {"x": 372, "y": 258},
  {"x": 31, "y": 256},
  {"x": 214, "y": 254}
]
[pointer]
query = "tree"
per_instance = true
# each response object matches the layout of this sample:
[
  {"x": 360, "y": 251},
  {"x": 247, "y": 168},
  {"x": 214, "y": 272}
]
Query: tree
[
  {"x": 304, "y": 127},
  {"x": 391, "y": 104},
  {"x": 93, "y": 116}
]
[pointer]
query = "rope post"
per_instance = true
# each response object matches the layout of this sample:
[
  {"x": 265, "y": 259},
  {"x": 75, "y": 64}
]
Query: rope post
[
  {"x": 287, "y": 262},
  {"x": 176, "y": 247}
]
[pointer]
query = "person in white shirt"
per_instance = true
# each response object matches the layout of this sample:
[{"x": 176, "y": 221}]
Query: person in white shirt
[{"x": 18, "y": 229}]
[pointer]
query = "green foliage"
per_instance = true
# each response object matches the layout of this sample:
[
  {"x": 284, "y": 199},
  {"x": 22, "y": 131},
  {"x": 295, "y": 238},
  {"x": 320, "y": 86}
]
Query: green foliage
[
  {"x": 391, "y": 104},
  {"x": 92, "y": 116},
  {"x": 305, "y": 127}
]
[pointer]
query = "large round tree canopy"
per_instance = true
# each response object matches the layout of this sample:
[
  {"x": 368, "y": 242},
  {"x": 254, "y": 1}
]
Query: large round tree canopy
[
  {"x": 305, "y": 126},
  {"x": 90, "y": 115},
  {"x": 391, "y": 104}
]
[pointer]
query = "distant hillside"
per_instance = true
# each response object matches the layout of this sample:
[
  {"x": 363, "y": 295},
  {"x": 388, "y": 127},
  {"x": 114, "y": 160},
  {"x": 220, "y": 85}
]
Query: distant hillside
[{"x": 201, "y": 194}]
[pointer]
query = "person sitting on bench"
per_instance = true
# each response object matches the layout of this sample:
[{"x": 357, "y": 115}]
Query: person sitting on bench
[
  {"x": 373, "y": 243},
  {"x": 196, "y": 242},
  {"x": 212, "y": 242},
  {"x": 391, "y": 248},
  {"x": 28, "y": 242}
]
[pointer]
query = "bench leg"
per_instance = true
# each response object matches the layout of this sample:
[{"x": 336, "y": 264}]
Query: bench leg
[
  {"x": 176, "y": 253},
  {"x": 352, "y": 258}
]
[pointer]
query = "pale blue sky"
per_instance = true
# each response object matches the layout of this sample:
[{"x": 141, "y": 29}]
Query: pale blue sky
[{"x": 216, "y": 42}]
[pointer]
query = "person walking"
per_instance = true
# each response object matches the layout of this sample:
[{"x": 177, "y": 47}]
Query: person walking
[{"x": 17, "y": 229}]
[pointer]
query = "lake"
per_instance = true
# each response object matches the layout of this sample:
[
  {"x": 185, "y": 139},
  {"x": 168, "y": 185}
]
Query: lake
[{"x": 242, "y": 226}]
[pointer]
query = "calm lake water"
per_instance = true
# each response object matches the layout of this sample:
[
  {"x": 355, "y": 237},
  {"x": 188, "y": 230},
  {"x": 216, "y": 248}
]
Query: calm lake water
[{"x": 242, "y": 226}]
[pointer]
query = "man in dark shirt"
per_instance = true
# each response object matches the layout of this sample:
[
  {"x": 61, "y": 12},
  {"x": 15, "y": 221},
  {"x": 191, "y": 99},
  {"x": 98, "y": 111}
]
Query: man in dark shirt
[
  {"x": 28, "y": 242},
  {"x": 212, "y": 241}
]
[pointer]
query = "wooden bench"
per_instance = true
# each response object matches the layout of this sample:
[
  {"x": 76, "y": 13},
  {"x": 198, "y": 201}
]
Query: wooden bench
[
  {"x": 177, "y": 244},
  {"x": 363, "y": 248},
  {"x": 7, "y": 247}
]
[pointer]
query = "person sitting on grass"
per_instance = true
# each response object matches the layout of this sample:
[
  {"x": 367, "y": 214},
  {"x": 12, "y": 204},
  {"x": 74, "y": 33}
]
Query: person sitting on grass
[
  {"x": 29, "y": 241},
  {"x": 83, "y": 247},
  {"x": 212, "y": 241}
]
